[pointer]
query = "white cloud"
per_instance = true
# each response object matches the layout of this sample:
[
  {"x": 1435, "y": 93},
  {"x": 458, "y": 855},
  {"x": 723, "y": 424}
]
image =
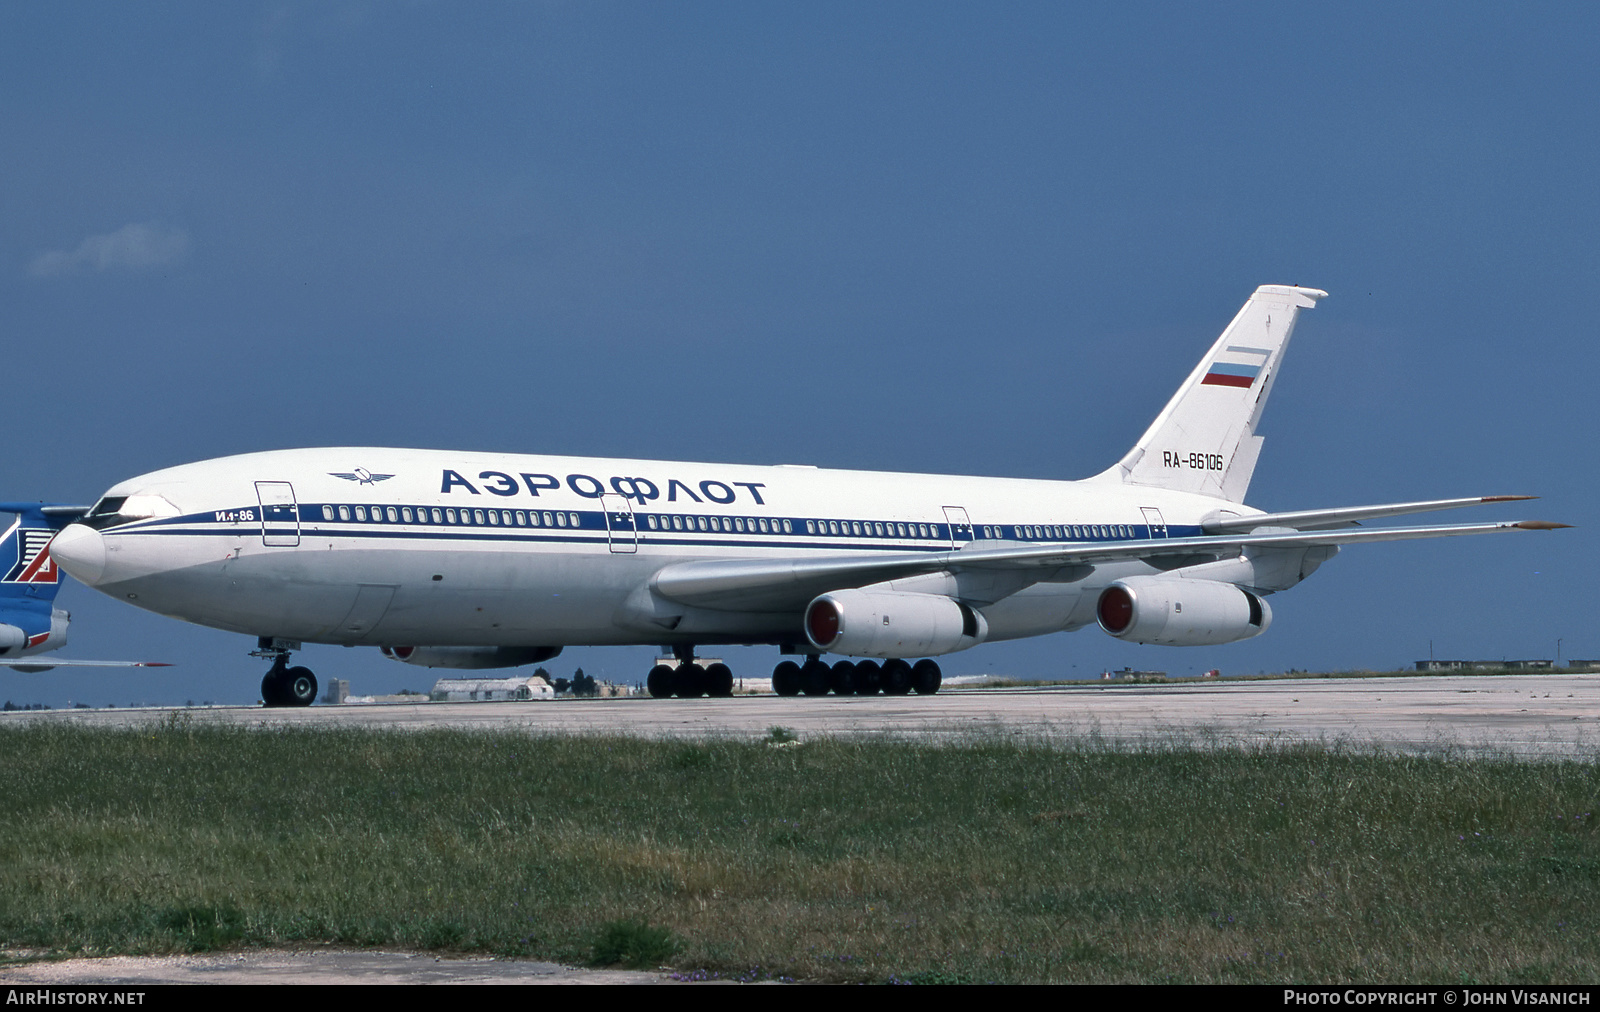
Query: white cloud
[{"x": 140, "y": 246}]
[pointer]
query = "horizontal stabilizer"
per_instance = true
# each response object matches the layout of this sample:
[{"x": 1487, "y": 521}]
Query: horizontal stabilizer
[
  {"x": 1223, "y": 521},
  {"x": 34, "y": 664},
  {"x": 68, "y": 512}
]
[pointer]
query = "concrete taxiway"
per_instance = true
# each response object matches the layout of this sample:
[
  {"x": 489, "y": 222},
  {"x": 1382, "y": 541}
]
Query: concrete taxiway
[{"x": 1542, "y": 715}]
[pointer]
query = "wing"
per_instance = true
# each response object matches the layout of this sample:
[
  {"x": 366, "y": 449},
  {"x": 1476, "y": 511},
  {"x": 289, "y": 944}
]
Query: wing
[
  {"x": 790, "y": 584},
  {"x": 46, "y": 663}
]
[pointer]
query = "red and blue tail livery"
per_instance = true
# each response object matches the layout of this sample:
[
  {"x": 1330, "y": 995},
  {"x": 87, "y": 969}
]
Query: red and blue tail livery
[
  {"x": 30, "y": 623},
  {"x": 33, "y": 557}
]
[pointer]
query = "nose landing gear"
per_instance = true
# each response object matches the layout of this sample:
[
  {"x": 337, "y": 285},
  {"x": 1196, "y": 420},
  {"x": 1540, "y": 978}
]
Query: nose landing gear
[{"x": 283, "y": 685}]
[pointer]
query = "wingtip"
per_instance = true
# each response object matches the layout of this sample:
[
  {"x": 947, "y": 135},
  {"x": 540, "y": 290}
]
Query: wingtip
[
  {"x": 1506, "y": 498},
  {"x": 1540, "y": 525}
]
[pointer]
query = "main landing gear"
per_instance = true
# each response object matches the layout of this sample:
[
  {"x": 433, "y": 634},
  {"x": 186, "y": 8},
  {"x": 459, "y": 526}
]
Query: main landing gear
[
  {"x": 856, "y": 678},
  {"x": 283, "y": 685},
  {"x": 689, "y": 680}
]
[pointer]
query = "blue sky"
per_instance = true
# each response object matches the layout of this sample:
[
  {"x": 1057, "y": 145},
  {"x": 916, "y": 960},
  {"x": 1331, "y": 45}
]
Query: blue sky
[{"x": 953, "y": 238}]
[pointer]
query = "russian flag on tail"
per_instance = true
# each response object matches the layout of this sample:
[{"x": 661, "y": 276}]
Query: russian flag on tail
[
  {"x": 1235, "y": 374},
  {"x": 1229, "y": 374}
]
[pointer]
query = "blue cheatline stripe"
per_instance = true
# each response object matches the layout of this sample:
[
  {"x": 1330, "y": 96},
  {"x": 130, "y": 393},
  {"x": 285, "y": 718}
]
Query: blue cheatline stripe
[{"x": 592, "y": 530}]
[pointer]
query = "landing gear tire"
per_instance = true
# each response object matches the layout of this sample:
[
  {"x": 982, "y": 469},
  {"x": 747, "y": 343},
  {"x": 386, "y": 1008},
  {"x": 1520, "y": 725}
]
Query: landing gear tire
[
  {"x": 843, "y": 678},
  {"x": 786, "y": 679},
  {"x": 689, "y": 681},
  {"x": 814, "y": 678},
  {"x": 869, "y": 678},
  {"x": 299, "y": 687},
  {"x": 659, "y": 682},
  {"x": 869, "y": 675},
  {"x": 272, "y": 688},
  {"x": 286, "y": 686},
  {"x": 926, "y": 677},
  {"x": 719, "y": 681},
  {"x": 897, "y": 677}
]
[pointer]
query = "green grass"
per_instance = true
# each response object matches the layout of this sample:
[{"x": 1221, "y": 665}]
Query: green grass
[
  {"x": 987, "y": 860},
  {"x": 633, "y": 944}
]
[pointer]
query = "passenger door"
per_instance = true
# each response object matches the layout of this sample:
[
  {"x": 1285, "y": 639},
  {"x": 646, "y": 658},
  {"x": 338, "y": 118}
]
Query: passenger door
[
  {"x": 1152, "y": 517},
  {"x": 620, "y": 526},
  {"x": 960, "y": 526},
  {"x": 280, "y": 516}
]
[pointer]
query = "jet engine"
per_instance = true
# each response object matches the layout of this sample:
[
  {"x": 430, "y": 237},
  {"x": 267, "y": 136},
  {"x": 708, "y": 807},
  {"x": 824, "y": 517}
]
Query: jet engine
[
  {"x": 14, "y": 640},
  {"x": 1181, "y": 613},
  {"x": 470, "y": 657},
  {"x": 862, "y": 623},
  {"x": 11, "y": 638}
]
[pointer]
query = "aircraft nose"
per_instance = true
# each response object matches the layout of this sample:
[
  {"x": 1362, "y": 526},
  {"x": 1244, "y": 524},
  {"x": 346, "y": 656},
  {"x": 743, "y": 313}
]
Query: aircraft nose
[{"x": 81, "y": 551}]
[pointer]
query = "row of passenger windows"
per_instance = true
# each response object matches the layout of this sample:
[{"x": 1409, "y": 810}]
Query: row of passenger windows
[
  {"x": 871, "y": 529},
  {"x": 736, "y": 525},
  {"x": 1063, "y": 532},
  {"x": 447, "y": 515}
]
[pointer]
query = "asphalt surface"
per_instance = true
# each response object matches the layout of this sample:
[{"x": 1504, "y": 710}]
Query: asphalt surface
[{"x": 1530, "y": 716}]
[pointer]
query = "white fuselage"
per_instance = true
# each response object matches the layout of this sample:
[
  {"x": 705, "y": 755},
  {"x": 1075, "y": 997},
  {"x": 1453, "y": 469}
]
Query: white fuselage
[{"x": 424, "y": 547}]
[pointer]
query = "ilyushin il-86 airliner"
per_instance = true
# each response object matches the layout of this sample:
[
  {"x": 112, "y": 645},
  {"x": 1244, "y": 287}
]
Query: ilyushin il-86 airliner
[{"x": 475, "y": 560}]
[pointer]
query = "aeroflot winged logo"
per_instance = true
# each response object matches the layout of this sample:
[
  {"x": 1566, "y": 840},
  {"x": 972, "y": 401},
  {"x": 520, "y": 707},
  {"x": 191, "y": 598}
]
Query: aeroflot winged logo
[{"x": 361, "y": 476}]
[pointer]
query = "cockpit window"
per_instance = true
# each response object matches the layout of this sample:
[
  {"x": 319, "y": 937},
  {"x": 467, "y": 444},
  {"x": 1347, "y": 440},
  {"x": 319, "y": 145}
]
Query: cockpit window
[
  {"x": 103, "y": 514},
  {"x": 115, "y": 510}
]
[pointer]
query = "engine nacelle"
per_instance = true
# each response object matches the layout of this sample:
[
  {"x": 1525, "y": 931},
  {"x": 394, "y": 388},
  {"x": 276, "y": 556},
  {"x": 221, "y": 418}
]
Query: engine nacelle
[
  {"x": 11, "y": 638},
  {"x": 14, "y": 639},
  {"x": 862, "y": 623},
  {"x": 1181, "y": 613},
  {"x": 470, "y": 658}
]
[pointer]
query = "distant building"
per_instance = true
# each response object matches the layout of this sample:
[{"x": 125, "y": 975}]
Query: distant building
[
  {"x": 522, "y": 687},
  {"x": 1128, "y": 674},
  {"x": 1520, "y": 665},
  {"x": 338, "y": 690}
]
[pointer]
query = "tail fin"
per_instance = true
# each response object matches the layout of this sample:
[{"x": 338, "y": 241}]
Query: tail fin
[
  {"x": 26, "y": 568},
  {"x": 1204, "y": 440},
  {"x": 29, "y": 579}
]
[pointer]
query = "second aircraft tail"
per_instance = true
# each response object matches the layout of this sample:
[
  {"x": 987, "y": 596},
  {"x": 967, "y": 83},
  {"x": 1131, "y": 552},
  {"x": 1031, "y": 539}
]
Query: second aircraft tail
[
  {"x": 26, "y": 569},
  {"x": 29, "y": 579},
  {"x": 1205, "y": 439}
]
